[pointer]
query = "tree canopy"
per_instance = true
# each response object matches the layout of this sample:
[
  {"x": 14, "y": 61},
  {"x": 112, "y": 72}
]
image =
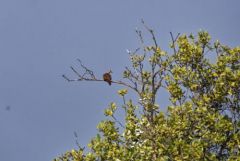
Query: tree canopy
[{"x": 202, "y": 122}]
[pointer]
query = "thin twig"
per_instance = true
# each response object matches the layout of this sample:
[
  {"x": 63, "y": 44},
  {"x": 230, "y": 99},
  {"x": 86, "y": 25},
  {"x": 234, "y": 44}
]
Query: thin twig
[
  {"x": 117, "y": 121},
  {"x": 101, "y": 80},
  {"x": 77, "y": 143},
  {"x": 151, "y": 32},
  {"x": 174, "y": 41}
]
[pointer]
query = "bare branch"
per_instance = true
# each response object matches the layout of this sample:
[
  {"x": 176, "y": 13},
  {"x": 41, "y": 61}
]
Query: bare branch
[
  {"x": 151, "y": 32},
  {"x": 89, "y": 75},
  {"x": 139, "y": 33},
  {"x": 134, "y": 78},
  {"x": 87, "y": 70},
  {"x": 76, "y": 141},
  {"x": 69, "y": 80},
  {"x": 115, "y": 119},
  {"x": 174, "y": 41},
  {"x": 79, "y": 75},
  {"x": 126, "y": 85}
]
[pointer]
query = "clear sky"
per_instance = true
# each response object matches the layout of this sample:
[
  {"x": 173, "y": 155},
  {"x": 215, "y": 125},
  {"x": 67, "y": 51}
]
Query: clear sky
[{"x": 40, "y": 39}]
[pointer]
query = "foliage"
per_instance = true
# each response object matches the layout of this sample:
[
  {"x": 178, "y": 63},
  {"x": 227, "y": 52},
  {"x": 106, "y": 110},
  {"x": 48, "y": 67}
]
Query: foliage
[{"x": 202, "y": 120}]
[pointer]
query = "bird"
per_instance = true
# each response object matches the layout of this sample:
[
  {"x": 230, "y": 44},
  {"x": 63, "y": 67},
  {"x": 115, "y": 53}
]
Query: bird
[{"x": 107, "y": 77}]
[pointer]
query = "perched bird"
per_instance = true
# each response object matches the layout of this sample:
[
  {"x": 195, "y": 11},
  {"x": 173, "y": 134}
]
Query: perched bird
[{"x": 107, "y": 77}]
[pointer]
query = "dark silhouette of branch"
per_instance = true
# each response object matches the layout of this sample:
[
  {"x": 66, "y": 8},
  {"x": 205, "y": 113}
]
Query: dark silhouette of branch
[
  {"x": 174, "y": 41},
  {"x": 88, "y": 75},
  {"x": 151, "y": 32}
]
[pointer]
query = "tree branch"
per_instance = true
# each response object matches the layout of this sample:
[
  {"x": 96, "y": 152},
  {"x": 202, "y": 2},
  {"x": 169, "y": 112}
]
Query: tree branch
[{"x": 89, "y": 75}]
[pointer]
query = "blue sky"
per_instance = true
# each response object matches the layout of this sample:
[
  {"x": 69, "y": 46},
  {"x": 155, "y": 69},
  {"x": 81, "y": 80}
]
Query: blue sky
[{"x": 40, "y": 39}]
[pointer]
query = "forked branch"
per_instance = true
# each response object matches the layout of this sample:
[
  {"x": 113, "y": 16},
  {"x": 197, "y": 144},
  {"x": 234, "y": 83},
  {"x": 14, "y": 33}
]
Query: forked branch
[{"x": 88, "y": 75}]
